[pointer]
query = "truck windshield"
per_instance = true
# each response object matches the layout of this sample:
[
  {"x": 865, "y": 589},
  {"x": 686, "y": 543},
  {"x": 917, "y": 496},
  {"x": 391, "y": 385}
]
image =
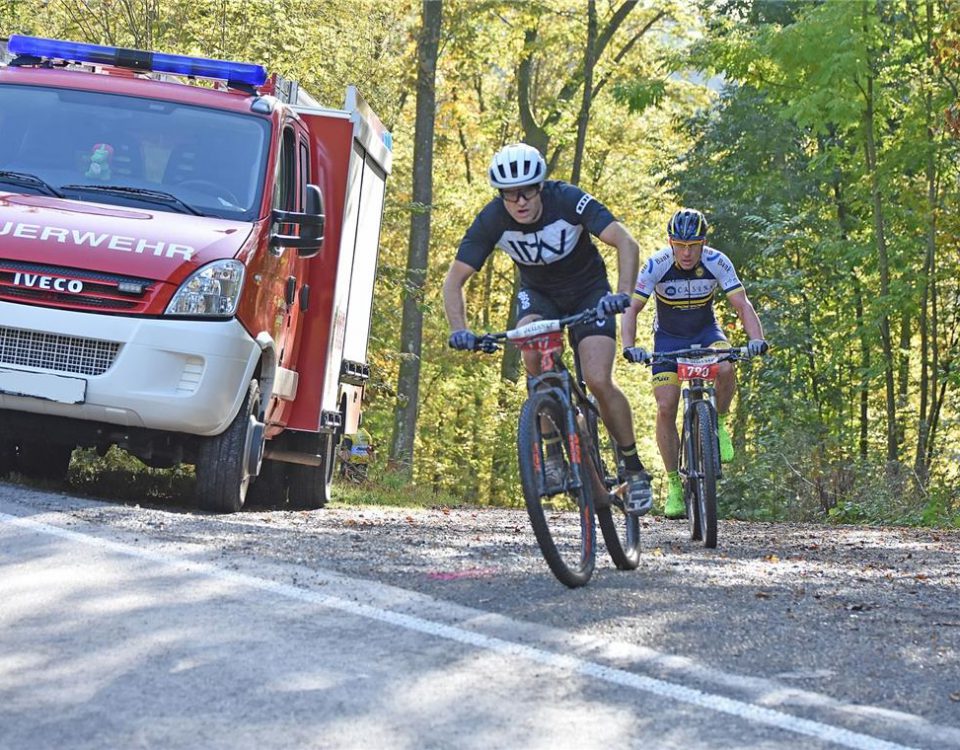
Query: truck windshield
[{"x": 208, "y": 161}]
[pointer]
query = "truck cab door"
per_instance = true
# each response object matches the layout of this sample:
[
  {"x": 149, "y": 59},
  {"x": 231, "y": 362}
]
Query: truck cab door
[{"x": 289, "y": 297}]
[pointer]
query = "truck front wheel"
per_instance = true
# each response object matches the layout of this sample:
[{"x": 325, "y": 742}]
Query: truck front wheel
[
  {"x": 225, "y": 462},
  {"x": 309, "y": 486}
]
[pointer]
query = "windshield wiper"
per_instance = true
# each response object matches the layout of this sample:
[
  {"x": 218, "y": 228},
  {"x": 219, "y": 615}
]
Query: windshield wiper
[
  {"x": 29, "y": 180},
  {"x": 154, "y": 196}
]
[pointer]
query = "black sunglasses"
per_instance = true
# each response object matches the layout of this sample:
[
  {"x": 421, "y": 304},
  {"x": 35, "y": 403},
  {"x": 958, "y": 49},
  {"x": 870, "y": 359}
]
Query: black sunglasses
[{"x": 512, "y": 195}]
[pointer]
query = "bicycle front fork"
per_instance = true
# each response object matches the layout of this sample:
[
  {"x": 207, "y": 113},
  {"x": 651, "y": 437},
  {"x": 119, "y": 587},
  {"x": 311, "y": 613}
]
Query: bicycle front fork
[{"x": 698, "y": 391}]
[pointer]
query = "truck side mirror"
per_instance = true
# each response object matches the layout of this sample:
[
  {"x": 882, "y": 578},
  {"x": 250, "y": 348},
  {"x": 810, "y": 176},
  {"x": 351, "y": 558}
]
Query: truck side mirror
[
  {"x": 314, "y": 201},
  {"x": 311, "y": 223}
]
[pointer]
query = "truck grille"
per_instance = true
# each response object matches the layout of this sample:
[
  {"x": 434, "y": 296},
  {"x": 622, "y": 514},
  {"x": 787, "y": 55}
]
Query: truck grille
[
  {"x": 49, "y": 351},
  {"x": 57, "y": 286}
]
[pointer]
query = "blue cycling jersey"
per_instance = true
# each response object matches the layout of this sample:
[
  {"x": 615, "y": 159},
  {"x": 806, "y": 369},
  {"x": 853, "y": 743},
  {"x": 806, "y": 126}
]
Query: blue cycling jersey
[{"x": 685, "y": 297}]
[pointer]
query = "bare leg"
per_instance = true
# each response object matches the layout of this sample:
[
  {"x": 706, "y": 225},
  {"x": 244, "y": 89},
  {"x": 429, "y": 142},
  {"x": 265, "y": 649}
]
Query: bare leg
[
  {"x": 596, "y": 360},
  {"x": 726, "y": 386},
  {"x": 531, "y": 360},
  {"x": 668, "y": 439}
]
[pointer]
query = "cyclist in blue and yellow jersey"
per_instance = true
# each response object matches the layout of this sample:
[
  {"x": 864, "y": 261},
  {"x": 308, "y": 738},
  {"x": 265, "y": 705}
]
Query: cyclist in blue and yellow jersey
[
  {"x": 545, "y": 227},
  {"x": 355, "y": 453},
  {"x": 685, "y": 278}
]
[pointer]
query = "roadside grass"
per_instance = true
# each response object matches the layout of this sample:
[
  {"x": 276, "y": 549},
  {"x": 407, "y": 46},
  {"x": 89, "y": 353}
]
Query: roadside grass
[{"x": 388, "y": 488}]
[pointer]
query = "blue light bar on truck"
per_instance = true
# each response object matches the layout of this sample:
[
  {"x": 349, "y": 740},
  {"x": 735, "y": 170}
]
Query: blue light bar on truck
[{"x": 158, "y": 62}]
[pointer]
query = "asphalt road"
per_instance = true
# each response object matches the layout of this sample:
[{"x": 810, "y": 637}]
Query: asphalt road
[{"x": 361, "y": 627}]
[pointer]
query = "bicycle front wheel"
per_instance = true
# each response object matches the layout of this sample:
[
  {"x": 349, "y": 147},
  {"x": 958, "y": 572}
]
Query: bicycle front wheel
[
  {"x": 706, "y": 468},
  {"x": 688, "y": 462},
  {"x": 561, "y": 514},
  {"x": 621, "y": 530}
]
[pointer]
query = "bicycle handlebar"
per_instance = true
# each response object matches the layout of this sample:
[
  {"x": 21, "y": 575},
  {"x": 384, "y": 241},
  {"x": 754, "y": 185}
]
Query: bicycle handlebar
[
  {"x": 490, "y": 342},
  {"x": 733, "y": 354}
]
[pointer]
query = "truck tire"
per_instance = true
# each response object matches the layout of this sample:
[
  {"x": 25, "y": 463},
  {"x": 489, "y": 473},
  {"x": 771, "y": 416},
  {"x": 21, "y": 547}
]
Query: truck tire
[
  {"x": 38, "y": 460},
  {"x": 223, "y": 463},
  {"x": 308, "y": 487},
  {"x": 269, "y": 489}
]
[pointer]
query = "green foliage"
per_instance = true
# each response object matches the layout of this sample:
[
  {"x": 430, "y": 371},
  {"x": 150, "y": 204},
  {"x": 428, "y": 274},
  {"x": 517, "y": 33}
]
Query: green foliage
[
  {"x": 641, "y": 94},
  {"x": 778, "y": 159},
  {"x": 781, "y": 165}
]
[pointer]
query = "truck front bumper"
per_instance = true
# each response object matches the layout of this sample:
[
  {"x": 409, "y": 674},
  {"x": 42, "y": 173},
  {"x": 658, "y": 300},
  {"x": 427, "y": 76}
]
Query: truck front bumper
[{"x": 186, "y": 376}]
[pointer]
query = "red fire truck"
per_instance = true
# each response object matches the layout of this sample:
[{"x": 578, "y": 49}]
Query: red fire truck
[{"x": 187, "y": 258}]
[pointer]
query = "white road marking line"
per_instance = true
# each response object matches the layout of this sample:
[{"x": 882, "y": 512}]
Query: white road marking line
[{"x": 673, "y": 691}]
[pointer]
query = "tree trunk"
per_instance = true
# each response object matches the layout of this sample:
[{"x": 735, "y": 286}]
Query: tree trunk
[
  {"x": 589, "y": 61},
  {"x": 537, "y": 134},
  {"x": 864, "y": 442},
  {"x": 510, "y": 364},
  {"x": 863, "y": 389},
  {"x": 411, "y": 331},
  {"x": 928, "y": 279},
  {"x": 883, "y": 262}
]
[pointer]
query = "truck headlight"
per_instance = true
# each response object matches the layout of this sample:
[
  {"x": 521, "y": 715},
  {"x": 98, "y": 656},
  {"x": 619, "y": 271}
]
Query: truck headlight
[{"x": 212, "y": 290}]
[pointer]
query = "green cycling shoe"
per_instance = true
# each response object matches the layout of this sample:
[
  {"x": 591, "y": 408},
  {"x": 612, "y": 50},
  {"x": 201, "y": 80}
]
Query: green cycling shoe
[
  {"x": 726, "y": 445},
  {"x": 675, "y": 507}
]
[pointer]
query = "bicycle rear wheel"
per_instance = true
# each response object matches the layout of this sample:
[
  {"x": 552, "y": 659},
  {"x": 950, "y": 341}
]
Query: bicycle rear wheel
[
  {"x": 706, "y": 468},
  {"x": 561, "y": 516},
  {"x": 621, "y": 531}
]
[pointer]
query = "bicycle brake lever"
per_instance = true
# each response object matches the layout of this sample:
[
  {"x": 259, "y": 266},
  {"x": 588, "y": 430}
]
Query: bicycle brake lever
[{"x": 487, "y": 345}]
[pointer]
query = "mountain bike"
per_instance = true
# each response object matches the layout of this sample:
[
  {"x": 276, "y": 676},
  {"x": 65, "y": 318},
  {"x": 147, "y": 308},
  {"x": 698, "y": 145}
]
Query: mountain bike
[
  {"x": 700, "y": 466},
  {"x": 560, "y": 423}
]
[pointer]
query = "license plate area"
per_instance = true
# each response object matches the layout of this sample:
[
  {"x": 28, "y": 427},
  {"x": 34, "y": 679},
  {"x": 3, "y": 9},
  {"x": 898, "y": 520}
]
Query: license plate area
[{"x": 43, "y": 385}]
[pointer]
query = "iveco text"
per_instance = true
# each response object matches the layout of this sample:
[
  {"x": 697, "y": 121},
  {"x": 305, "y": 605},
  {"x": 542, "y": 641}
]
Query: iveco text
[{"x": 48, "y": 282}]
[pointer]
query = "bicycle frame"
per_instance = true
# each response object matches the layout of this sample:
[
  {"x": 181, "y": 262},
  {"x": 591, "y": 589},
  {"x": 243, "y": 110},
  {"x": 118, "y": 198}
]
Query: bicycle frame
[
  {"x": 555, "y": 377},
  {"x": 700, "y": 379},
  {"x": 698, "y": 389},
  {"x": 558, "y": 398},
  {"x": 546, "y": 337}
]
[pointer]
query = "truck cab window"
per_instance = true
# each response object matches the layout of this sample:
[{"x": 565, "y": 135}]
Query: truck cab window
[
  {"x": 285, "y": 193},
  {"x": 106, "y": 147},
  {"x": 304, "y": 168}
]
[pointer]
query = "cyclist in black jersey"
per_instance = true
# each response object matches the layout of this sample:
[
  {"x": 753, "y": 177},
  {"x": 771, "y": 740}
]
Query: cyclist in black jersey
[
  {"x": 685, "y": 277},
  {"x": 545, "y": 227}
]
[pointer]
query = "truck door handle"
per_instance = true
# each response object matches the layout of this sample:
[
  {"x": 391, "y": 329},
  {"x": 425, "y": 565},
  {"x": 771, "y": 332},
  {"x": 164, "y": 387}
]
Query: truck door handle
[
  {"x": 304, "y": 297},
  {"x": 291, "y": 293}
]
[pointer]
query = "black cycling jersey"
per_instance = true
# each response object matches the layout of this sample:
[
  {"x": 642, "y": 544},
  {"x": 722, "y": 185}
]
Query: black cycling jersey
[{"x": 555, "y": 253}]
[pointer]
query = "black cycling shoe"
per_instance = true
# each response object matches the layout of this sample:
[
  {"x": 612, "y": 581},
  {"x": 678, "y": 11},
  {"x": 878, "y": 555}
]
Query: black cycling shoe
[{"x": 639, "y": 498}]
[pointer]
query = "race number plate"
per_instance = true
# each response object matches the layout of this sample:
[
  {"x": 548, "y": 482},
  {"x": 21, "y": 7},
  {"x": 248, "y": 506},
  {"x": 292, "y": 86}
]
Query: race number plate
[{"x": 694, "y": 370}]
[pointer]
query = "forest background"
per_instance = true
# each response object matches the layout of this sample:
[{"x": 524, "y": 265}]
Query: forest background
[{"x": 820, "y": 138}]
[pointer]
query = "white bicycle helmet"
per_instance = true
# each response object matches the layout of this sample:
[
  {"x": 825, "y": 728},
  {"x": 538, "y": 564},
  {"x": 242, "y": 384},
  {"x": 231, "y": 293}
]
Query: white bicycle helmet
[{"x": 517, "y": 165}]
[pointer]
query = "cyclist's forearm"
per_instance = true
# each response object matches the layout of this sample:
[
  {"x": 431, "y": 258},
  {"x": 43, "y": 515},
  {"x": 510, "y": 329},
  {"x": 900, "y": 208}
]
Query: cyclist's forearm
[
  {"x": 628, "y": 255},
  {"x": 750, "y": 321},
  {"x": 628, "y": 325},
  {"x": 456, "y": 310},
  {"x": 454, "y": 300}
]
